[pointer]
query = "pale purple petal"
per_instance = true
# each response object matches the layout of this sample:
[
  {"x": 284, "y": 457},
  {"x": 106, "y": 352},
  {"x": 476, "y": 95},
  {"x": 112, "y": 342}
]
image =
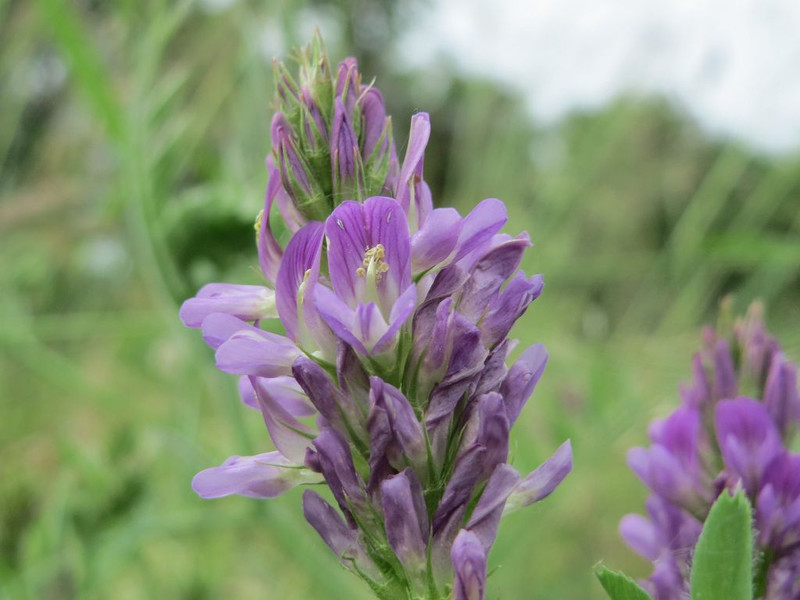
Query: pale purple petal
[
  {"x": 480, "y": 225},
  {"x": 261, "y": 476},
  {"x": 748, "y": 439},
  {"x": 257, "y": 353},
  {"x": 436, "y": 239},
  {"x": 245, "y": 302},
  {"x": 290, "y": 436},
  {"x": 469, "y": 564},
  {"x": 347, "y": 241},
  {"x": 543, "y": 480},
  {"x": 406, "y": 519},
  {"x": 522, "y": 379},
  {"x": 485, "y": 519}
]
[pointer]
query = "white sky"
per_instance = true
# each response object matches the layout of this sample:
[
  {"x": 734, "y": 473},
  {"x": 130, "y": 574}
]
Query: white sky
[{"x": 734, "y": 64}]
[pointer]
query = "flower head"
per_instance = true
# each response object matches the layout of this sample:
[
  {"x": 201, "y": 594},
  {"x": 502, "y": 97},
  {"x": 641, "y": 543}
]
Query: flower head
[
  {"x": 390, "y": 385},
  {"x": 732, "y": 430}
]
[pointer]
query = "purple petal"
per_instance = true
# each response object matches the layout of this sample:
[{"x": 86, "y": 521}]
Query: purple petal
[
  {"x": 465, "y": 475},
  {"x": 269, "y": 251},
  {"x": 258, "y": 353},
  {"x": 290, "y": 436},
  {"x": 339, "y": 317},
  {"x": 336, "y": 461},
  {"x": 467, "y": 356},
  {"x": 247, "y": 393},
  {"x": 344, "y": 145},
  {"x": 509, "y": 306},
  {"x": 406, "y": 519},
  {"x": 522, "y": 379},
  {"x": 543, "y": 480},
  {"x": 261, "y": 476},
  {"x": 328, "y": 524},
  {"x": 383, "y": 218},
  {"x": 405, "y": 441},
  {"x": 415, "y": 203},
  {"x": 297, "y": 280},
  {"x": 748, "y": 439},
  {"x": 486, "y": 517},
  {"x": 641, "y": 535},
  {"x": 219, "y": 327},
  {"x": 781, "y": 396},
  {"x": 488, "y": 276},
  {"x": 725, "y": 386},
  {"x": 335, "y": 407},
  {"x": 480, "y": 225},
  {"x": 493, "y": 431},
  {"x": 347, "y": 242},
  {"x": 340, "y": 538},
  {"x": 245, "y": 302},
  {"x": 289, "y": 213},
  {"x": 373, "y": 121},
  {"x": 435, "y": 240},
  {"x": 401, "y": 311},
  {"x": 469, "y": 564}
]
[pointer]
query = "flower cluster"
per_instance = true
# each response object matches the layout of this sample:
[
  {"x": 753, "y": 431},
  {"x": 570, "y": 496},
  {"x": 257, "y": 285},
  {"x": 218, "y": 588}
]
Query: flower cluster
[
  {"x": 390, "y": 385},
  {"x": 732, "y": 430}
]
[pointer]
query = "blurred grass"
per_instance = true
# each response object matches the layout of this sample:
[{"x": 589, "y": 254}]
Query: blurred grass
[{"x": 131, "y": 144}]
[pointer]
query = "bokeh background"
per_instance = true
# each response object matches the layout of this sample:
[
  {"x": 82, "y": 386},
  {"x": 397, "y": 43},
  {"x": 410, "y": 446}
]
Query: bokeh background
[{"x": 651, "y": 154}]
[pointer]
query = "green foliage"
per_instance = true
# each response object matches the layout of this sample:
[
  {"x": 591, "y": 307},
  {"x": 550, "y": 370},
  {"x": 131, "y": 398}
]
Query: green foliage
[
  {"x": 619, "y": 586},
  {"x": 722, "y": 566}
]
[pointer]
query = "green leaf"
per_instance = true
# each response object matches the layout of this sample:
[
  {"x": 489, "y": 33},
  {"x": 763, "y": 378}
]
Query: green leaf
[
  {"x": 723, "y": 561},
  {"x": 619, "y": 586}
]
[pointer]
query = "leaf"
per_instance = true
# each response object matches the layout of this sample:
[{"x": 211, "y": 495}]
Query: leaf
[
  {"x": 723, "y": 561},
  {"x": 619, "y": 586}
]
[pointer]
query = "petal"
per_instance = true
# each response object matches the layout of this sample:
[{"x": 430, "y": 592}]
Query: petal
[
  {"x": 748, "y": 439},
  {"x": 339, "y": 317},
  {"x": 435, "y": 240},
  {"x": 336, "y": 461},
  {"x": 488, "y": 276},
  {"x": 258, "y": 353},
  {"x": 336, "y": 408},
  {"x": 480, "y": 225},
  {"x": 641, "y": 535},
  {"x": 347, "y": 242},
  {"x": 373, "y": 120},
  {"x": 401, "y": 311},
  {"x": 486, "y": 517},
  {"x": 469, "y": 564},
  {"x": 781, "y": 396},
  {"x": 269, "y": 251},
  {"x": 297, "y": 280},
  {"x": 290, "y": 436},
  {"x": 522, "y": 379},
  {"x": 406, "y": 186},
  {"x": 261, "y": 476},
  {"x": 219, "y": 327},
  {"x": 386, "y": 226},
  {"x": 509, "y": 306},
  {"x": 404, "y": 432},
  {"x": 465, "y": 475},
  {"x": 406, "y": 519},
  {"x": 544, "y": 480},
  {"x": 245, "y": 302}
]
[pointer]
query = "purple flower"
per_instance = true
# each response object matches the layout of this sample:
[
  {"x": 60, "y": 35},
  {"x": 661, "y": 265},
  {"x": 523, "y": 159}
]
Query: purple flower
[
  {"x": 391, "y": 385},
  {"x": 719, "y": 439}
]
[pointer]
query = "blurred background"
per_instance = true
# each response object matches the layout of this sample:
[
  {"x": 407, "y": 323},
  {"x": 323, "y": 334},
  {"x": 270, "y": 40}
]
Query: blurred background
[{"x": 650, "y": 149}]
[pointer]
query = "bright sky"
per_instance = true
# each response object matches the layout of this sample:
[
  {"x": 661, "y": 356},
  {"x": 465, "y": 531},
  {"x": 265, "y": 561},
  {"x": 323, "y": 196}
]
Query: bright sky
[{"x": 734, "y": 64}]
